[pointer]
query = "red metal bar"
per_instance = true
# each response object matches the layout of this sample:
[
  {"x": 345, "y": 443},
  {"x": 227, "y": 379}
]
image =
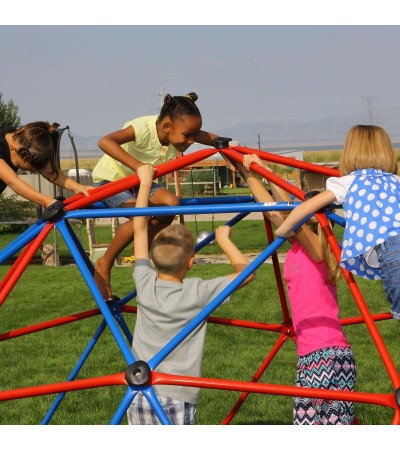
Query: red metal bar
[
  {"x": 66, "y": 386},
  {"x": 25, "y": 260},
  {"x": 279, "y": 328},
  {"x": 16, "y": 263},
  {"x": 49, "y": 324},
  {"x": 285, "y": 160},
  {"x": 99, "y": 193},
  {"x": 278, "y": 276},
  {"x": 270, "y": 176},
  {"x": 360, "y": 319},
  {"x": 159, "y": 378},
  {"x": 281, "y": 340}
]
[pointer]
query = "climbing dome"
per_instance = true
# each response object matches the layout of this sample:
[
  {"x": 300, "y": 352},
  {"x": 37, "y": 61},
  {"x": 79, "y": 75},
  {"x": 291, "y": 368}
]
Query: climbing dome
[{"x": 110, "y": 318}]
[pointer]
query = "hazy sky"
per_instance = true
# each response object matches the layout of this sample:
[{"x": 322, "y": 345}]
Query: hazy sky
[{"x": 95, "y": 77}]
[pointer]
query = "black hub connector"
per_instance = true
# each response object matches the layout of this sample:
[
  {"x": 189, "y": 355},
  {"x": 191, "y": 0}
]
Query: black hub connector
[
  {"x": 54, "y": 211},
  {"x": 397, "y": 396},
  {"x": 221, "y": 142},
  {"x": 138, "y": 373}
]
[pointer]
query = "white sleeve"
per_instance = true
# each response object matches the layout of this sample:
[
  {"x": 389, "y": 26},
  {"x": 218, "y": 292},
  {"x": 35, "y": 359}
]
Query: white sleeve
[{"x": 339, "y": 186}]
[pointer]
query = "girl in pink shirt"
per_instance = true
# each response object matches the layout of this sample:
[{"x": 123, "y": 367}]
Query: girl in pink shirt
[{"x": 325, "y": 359}]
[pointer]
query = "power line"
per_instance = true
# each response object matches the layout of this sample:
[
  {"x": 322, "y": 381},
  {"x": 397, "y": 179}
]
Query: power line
[{"x": 368, "y": 102}]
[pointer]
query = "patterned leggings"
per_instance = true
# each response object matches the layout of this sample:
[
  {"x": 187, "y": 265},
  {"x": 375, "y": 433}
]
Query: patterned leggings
[{"x": 328, "y": 368}]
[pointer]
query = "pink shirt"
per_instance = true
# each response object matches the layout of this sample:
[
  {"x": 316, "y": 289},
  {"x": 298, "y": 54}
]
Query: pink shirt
[{"x": 313, "y": 302}]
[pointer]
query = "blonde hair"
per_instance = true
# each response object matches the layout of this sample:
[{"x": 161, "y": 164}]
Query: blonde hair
[
  {"x": 172, "y": 249},
  {"x": 367, "y": 146},
  {"x": 331, "y": 263}
]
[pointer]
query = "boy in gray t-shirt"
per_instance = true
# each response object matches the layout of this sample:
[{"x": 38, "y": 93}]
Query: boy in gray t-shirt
[{"x": 167, "y": 301}]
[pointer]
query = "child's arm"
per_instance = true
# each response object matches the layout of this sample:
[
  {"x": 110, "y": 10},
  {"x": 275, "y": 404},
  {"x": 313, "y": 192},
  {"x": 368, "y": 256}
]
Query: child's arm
[
  {"x": 305, "y": 209},
  {"x": 260, "y": 193},
  {"x": 111, "y": 144},
  {"x": 141, "y": 241},
  {"x": 63, "y": 181},
  {"x": 279, "y": 194},
  {"x": 304, "y": 236},
  {"x": 21, "y": 188},
  {"x": 206, "y": 138},
  {"x": 236, "y": 257}
]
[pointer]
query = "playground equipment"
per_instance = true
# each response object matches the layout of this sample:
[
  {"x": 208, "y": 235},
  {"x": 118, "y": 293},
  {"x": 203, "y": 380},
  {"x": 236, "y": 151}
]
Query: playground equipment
[{"x": 142, "y": 375}]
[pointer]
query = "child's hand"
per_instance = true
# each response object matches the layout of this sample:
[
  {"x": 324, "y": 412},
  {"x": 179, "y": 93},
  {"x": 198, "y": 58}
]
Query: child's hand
[
  {"x": 49, "y": 201},
  {"x": 83, "y": 189},
  {"x": 223, "y": 232},
  {"x": 145, "y": 173},
  {"x": 281, "y": 232},
  {"x": 249, "y": 159}
]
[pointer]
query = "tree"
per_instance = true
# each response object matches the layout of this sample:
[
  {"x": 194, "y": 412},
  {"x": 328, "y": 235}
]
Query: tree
[{"x": 8, "y": 113}]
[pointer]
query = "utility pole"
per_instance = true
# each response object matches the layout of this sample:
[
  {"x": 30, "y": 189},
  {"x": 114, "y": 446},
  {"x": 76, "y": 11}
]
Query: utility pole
[
  {"x": 368, "y": 103},
  {"x": 161, "y": 98},
  {"x": 259, "y": 142}
]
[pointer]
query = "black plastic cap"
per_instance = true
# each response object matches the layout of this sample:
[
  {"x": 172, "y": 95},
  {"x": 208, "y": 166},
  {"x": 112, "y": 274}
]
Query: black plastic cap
[
  {"x": 138, "y": 373},
  {"x": 54, "y": 211},
  {"x": 397, "y": 396},
  {"x": 221, "y": 142}
]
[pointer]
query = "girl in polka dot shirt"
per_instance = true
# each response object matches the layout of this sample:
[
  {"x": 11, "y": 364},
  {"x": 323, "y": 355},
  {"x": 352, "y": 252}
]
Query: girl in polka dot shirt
[{"x": 369, "y": 190}]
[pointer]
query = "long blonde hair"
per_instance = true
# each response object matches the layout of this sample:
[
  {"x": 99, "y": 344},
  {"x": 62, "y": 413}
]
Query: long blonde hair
[
  {"x": 334, "y": 271},
  {"x": 367, "y": 147},
  {"x": 331, "y": 263}
]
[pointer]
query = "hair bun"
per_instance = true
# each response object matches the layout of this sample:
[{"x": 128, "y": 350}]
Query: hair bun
[
  {"x": 192, "y": 96},
  {"x": 54, "y": 126},
  {"x": 169, "y": 100}
]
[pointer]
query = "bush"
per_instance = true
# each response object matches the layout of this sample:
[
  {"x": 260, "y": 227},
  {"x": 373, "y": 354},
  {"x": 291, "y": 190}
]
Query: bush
[{"x": 13, "y": 210}]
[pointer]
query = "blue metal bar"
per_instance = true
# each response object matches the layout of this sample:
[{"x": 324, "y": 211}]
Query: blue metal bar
[
  {"x": 217, "y": 200},
  {"x": 181, "y": 210},
  {"x": 115, "y": 308},
  {"x": 149, "y": 393},
  {"x": 75, "y": 371},
  {"x": 87, "y": 276},
  {"x": 211, "y": 236},
  {"x": 336, "y": 218},
  {"x": 123, "y": 406},
  {"x": 78, "y": 244},
  {"x": 21, "y": 241},
  {"x": 130, "y": 394},
  {"x": 127, "y": 298}
]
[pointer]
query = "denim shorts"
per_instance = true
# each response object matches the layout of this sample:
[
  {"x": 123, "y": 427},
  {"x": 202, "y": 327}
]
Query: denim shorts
[
  {"x": 388, "y": 254},
  {"x": 117, "y": 200}
]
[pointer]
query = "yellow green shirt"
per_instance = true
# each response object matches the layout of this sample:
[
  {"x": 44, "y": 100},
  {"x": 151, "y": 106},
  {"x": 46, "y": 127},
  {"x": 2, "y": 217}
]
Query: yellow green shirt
[{"x": 146, "y": 148}]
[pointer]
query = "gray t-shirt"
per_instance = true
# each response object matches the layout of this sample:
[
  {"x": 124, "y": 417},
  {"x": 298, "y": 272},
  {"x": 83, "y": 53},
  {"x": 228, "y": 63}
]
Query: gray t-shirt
[{"x": 164, "y": 309}]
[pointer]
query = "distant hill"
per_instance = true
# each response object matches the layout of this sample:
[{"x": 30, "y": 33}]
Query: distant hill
[{"x": 326, "y": 133}]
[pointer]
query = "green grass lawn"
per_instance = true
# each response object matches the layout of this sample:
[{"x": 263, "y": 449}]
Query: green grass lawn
[{"x": 233, "y": 353}]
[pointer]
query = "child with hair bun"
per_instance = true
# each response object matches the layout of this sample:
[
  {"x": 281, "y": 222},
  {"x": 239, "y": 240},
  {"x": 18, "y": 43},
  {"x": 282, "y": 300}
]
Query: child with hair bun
[
  {"x": 31, "y": 147},
  {"x": 145, "y": 140}
]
